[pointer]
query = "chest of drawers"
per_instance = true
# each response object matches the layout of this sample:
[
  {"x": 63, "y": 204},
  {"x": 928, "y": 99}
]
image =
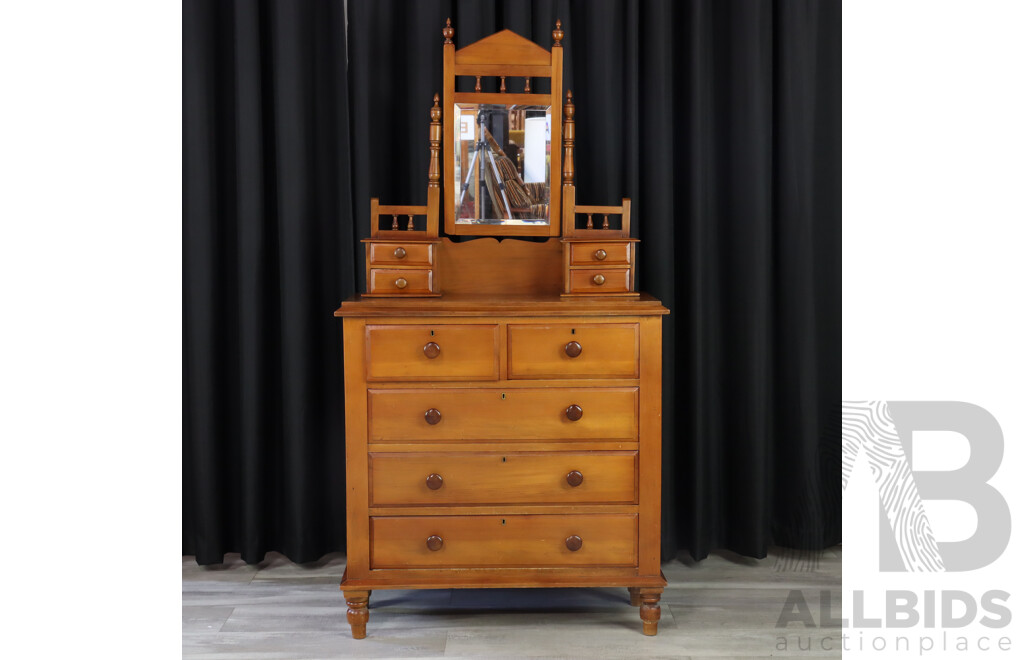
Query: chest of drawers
[
  {"x": 502, "y": 398},
  {"x": 503, "y": 441}
]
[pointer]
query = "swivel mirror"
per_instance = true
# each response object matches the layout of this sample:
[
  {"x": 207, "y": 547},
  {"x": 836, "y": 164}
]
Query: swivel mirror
[
  {"x": 502, "y": 165},
  {"x": 502, "y": 154}
]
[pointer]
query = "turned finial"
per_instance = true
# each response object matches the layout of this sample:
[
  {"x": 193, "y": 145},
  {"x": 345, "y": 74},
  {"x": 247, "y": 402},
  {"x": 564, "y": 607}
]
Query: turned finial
[
  {"x": 448, "y": 32},
  {"x": 435, "y": 112},
  {"x": 570, "y": 108},
  {"x": 557, "y": 34}
]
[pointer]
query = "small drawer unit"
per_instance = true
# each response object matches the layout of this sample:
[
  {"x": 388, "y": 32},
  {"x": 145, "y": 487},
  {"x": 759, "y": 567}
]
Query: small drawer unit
[
  {"x": 604, "y": 267},
  {"x": 401, "y": 269}
]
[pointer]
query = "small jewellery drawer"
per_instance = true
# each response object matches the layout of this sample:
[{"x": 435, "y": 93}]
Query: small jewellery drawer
[
  {"x": 586, "y": 254},
  {"x": 604, "y": 280},
  {"x": 512, "y": 541},
  {"x": 401, "y": 254},
  {"x": 511, "y": 414},
  {"x": 607, "y": 477},
  {"x": 401, "y": 281},
  {"x": 432, "y": 352},
  {"x": 609, "y": 350}
]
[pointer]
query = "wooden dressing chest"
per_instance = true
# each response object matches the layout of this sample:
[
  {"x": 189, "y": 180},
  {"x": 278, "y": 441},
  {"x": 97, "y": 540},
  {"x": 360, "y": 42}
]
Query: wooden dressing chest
[{"x": 503, "y": 410}]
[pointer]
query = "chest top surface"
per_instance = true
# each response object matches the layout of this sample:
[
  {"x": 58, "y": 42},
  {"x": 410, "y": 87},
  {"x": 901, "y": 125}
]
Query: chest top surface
[{"x": 485, "y": 304}]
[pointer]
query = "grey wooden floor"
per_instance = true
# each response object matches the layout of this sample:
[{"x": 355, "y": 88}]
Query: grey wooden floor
[{"x": 723, "y": 607}]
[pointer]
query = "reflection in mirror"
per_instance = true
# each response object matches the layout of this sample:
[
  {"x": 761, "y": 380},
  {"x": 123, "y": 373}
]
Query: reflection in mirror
[{"x": 502, "y": 164}]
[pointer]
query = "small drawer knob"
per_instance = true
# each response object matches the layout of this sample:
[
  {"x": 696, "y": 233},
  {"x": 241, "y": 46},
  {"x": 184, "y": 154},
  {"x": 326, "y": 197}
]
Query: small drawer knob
[
  {"x": 574, "y": 543},
  {"x": 435, "y": 542},
  {"x": 433, "y": 416},
  {"x": 573, "y": 349},
  {"x": 573, "y": 412},
  {"x": 399, "y": 253},
  {"x": 431, "y": 350},
  {"x": 600, "y": 255},
  {"x": 574, "y": 478},
  {"x": 435, "y": 481},
  {"x": 401, "y": 282},
  {"x": 598, "y": 279}
]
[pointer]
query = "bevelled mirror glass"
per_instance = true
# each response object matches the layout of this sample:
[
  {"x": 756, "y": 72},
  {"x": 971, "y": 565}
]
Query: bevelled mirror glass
[{"x": 502, "y": 164}]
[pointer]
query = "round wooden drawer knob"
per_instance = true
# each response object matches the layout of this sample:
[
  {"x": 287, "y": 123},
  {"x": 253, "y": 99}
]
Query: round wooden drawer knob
[
  {"x": 574, "y": 543},
  {"x": 600, "y": 255},
  {"x": 573, "y": 412},
  {"x": 598, "y": 279},
  {"x": 434, "y": 543},
  {"x": 435, "y": 481},
  {"x": 573, "y": 349},
  {"x": 399, "y": 253},
  {"x": 574, "y": 478},
  {"x": 401, "y": 282},
  {"x": 433, "y": 416},
  {"x": 431, "y": 350}
]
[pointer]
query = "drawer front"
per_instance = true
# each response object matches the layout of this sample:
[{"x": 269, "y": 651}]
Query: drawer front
[
  {"x": 390, "y": 280},
  {"x": 506, "y": 541},
  {"x": 401, "y": 254},
  {"x": 511, "y": 414},
  {"x": 574, "y": 351},
  {"x": 585, "y": 280},
  {"x": 503, "y": 478},
  {"x": 432, "y": 352},
  {"x": 586, "y": 254}
]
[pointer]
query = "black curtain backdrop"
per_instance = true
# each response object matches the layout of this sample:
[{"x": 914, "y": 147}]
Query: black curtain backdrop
[{"x": 720, "y": 119}]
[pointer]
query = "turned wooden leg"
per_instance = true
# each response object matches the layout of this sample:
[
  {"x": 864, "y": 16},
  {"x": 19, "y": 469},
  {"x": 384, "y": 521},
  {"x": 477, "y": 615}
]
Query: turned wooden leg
[
  {"x": 650, "y": 611},
  {"x": 634, "y": 596},
  {"x": 358, "y": 612}
]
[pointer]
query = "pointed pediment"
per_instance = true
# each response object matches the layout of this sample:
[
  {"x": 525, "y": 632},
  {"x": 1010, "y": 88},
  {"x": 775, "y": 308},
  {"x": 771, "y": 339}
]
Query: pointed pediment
[{"x": 505, "y": 47}]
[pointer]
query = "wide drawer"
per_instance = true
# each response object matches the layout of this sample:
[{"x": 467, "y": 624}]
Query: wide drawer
[
  {"x": 432, "y": 352},
  {"x": 503, "y": 478},
  {"x": 401, "y": 282},
  {"x": 604, "y": 280},
  {"x": 574, "y": 350},
  {"x": 506, "y": 541},
  {"x": 401, "y": 254},
  {"x": 599, "y": 253},
  {"x": 502, "y": 414}
]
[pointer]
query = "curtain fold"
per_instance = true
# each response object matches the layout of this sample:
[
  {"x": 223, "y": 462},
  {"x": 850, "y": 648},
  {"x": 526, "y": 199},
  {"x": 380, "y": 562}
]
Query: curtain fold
[{"x": 720, "y": 120}]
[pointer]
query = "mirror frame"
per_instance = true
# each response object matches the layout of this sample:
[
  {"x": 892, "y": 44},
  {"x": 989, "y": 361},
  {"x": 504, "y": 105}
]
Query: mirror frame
[{"x": 504, "y": 54}]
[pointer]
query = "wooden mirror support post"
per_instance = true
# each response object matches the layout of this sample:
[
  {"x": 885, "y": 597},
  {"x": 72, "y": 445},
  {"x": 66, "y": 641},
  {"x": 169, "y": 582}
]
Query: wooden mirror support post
[{"x": 502, "y": 427}]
